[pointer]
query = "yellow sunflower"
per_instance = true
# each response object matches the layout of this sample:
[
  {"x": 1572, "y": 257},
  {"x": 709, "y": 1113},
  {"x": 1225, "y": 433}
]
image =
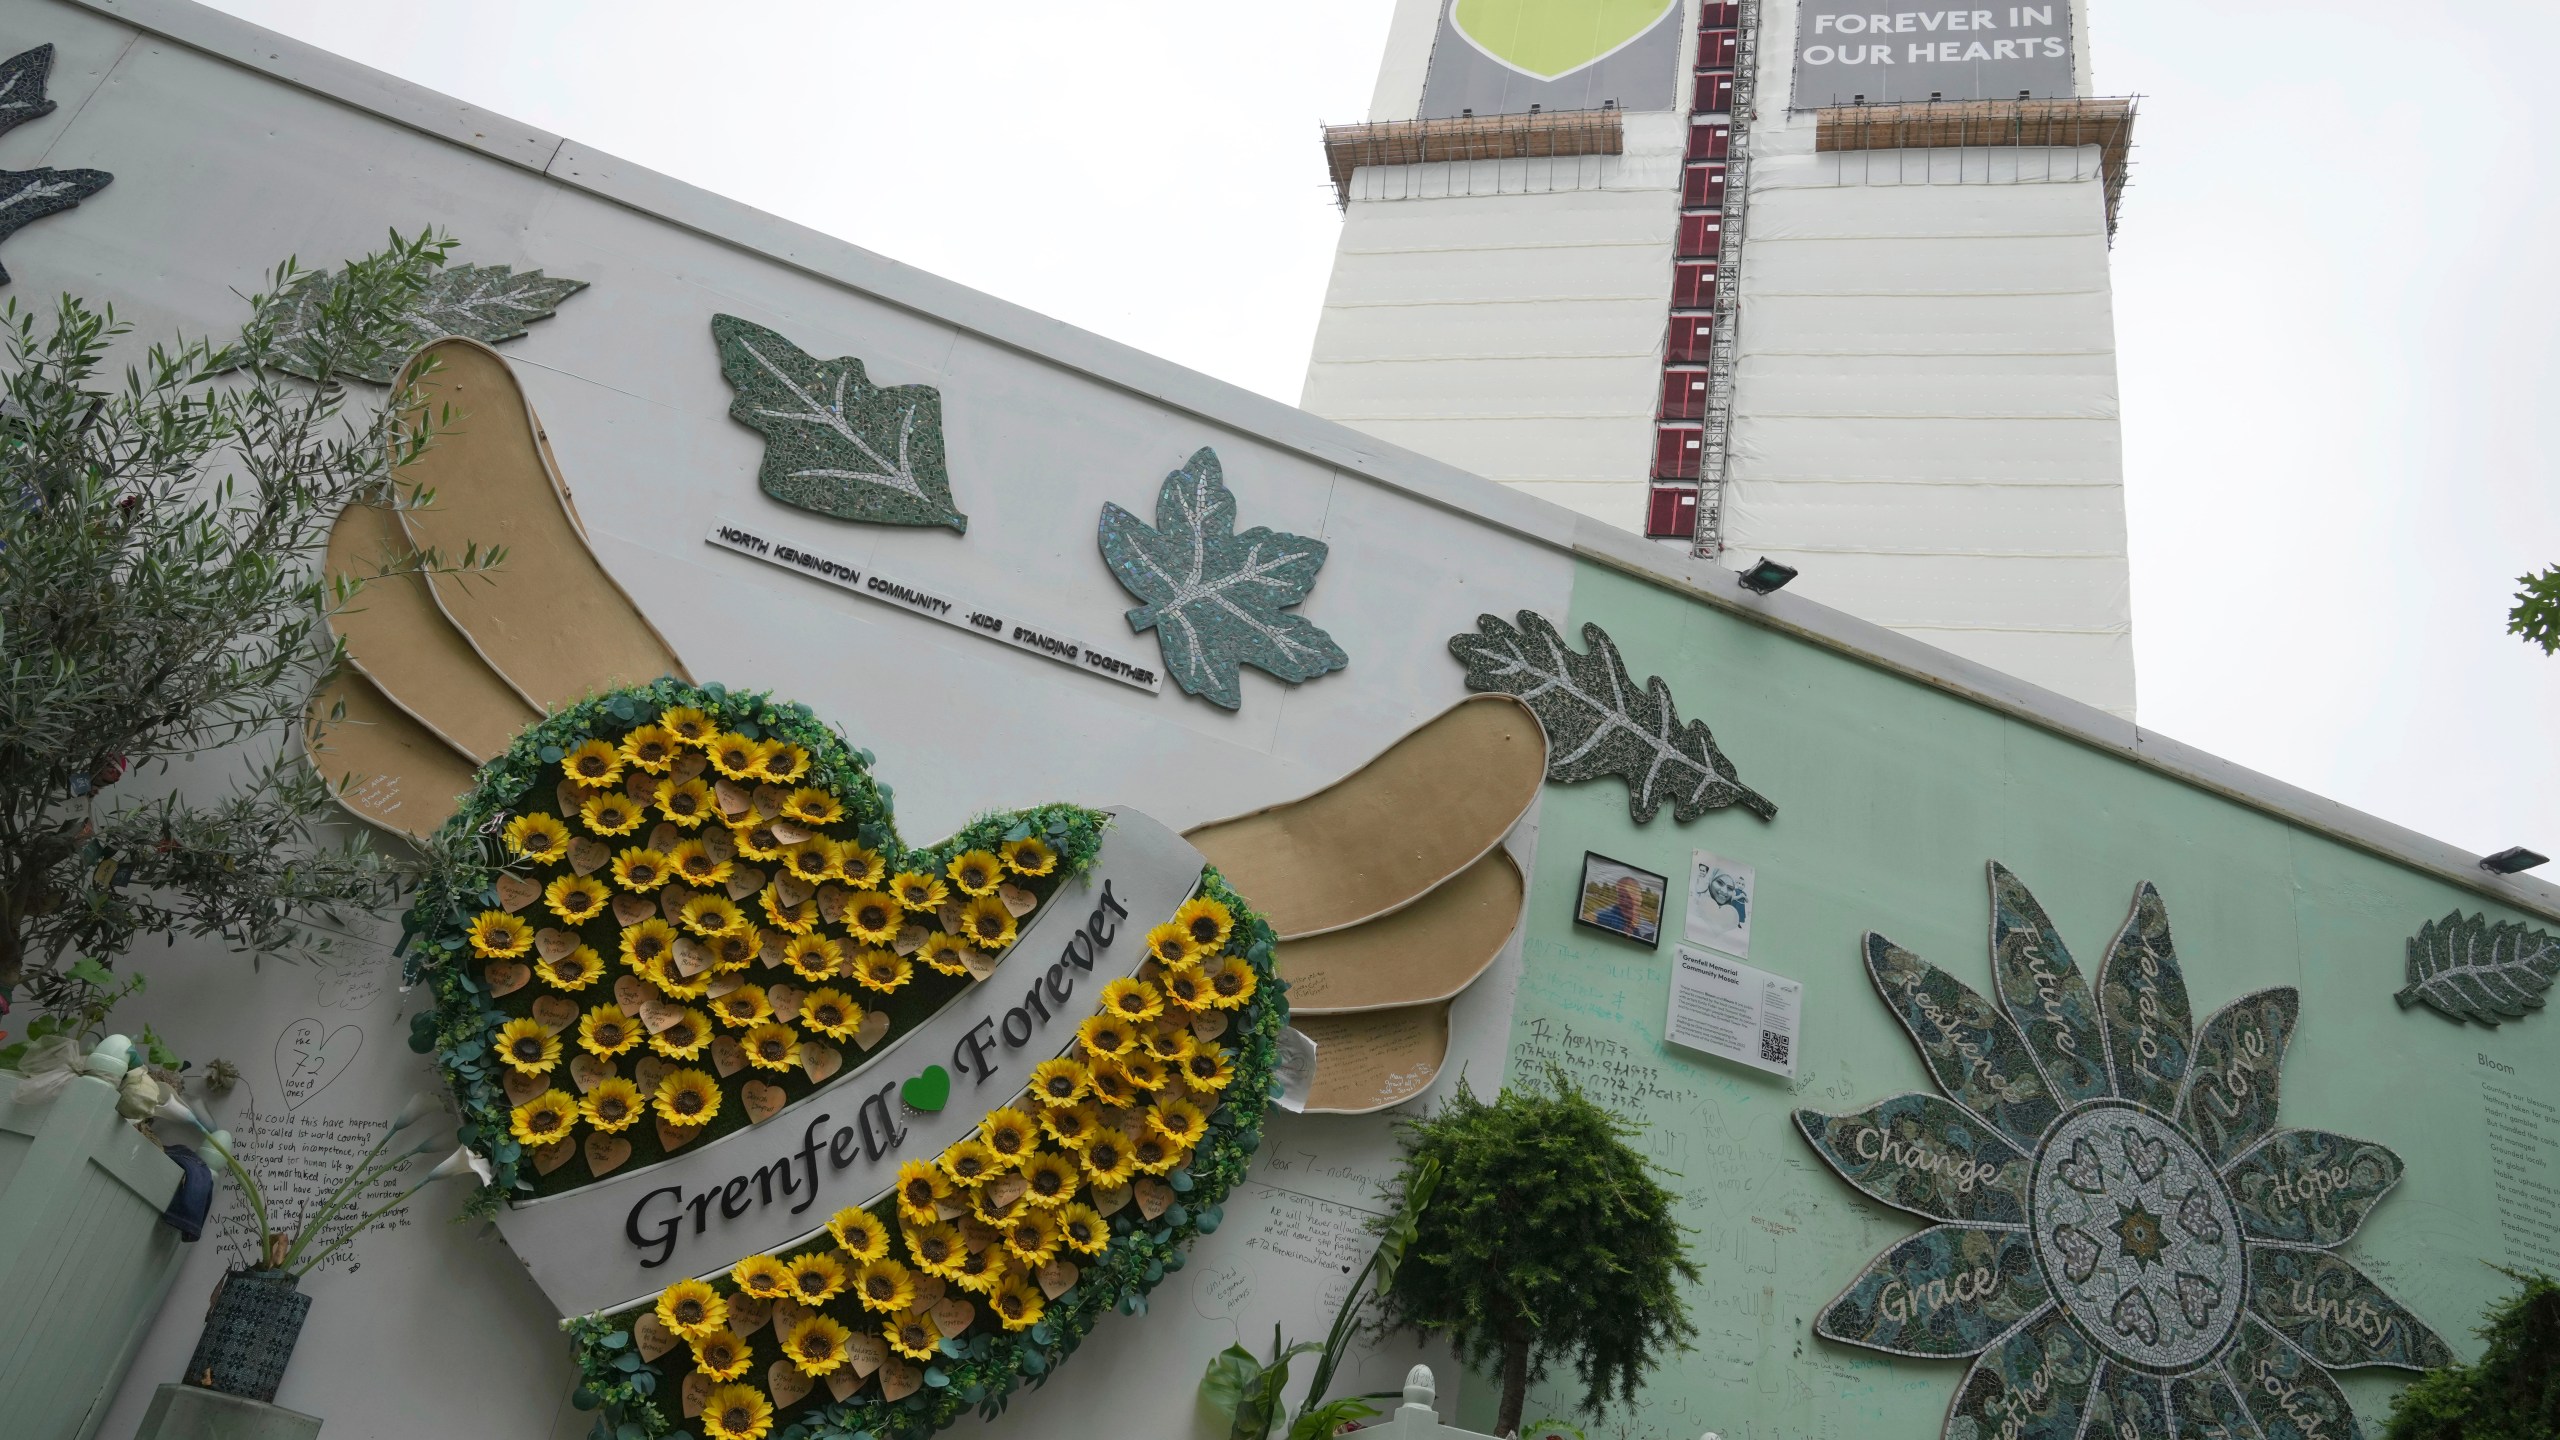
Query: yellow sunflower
[
  {"x": 1179, "y": 1121},
  {"x": 611, "y": 814},
  {"x": 987, "y": 924},
  {"x": 945, "y": 954},
  {"x": 935, "y": 1246},
  {"x": 650, "y": 748},
  {"x": 592, "y": 763},
  {"x": 574, "y": 971},
  {"x": 918, "y": 891},
  {"x": 859, "y": 1234},
  {"x": 800, "y": 919},
  {"x": 1109, "y": 1083},
  {"x": 543, "y": 1119},
  {"x": 756, "y": 840},
  {"x": 671, "y": 981},
  {"x": 1108, "y": 1034},
  {"x": 1186, "y": 987},
  {"x": 873, "y": 917},
  {"x": 913, "y": 1335},
  {"x": 1231, "y": 983},
  {"x": 812, "y": 806},
  {"x": 711, "y": 915},
  {"x": 830, "y": 1012},
  {"x": 687, "y": 804},
  {"x": 976, "y": 872},
  {"x": 497, "y": 935},
  {"x": 1009, "y": 1133},
  {"x": 734, "y": 755},
  {"x": 991, "y": 1212},
  {"x": 537, "y": 837},
  {"x": 813, "y": 859},
  {"x": 1050, "y": 1179},
  {"x": 881, "y": 969},
  {"x": 607, "y": 1032},
  {"x": 736, "y": 950},
  {"x": 575, "y": 898},
  {"x": 813, "y": 957},
  {"x": 920, "y": 1184},
  {"x": 1144, "y": 1070},
  {"x": 1154, "y": 1154},
  {"x": 1208, "y": 1069},
  {"x": 816, "y": 1344},
  {"x": 648, "y": 943},
  {"x": 741, "y": 1007},
  {"x": 862, "y": 866},
  {"x": 691, "y": 1307},
  {"x": 817, "y": 1277},
  {"x": 980, "y": 1270},
  {"x": 693, "y": 862},
  {"x": 684, "y": 1039},
  {"x": 971, "y": 1164},
  {"x": 761, "y": 1275},
  {"x": 721, "y": 1355},
  {"x": 613, "y": 1106},
  {"x": 1107, "y": 1159},
  {"x": 883, "y": 1284},
  {"x": 1082, "y": 1229},
  {"x": 1132, "y": 1000},
  {"x": 1169, "y": 1042},
  {"x": 1057, "y": 1082},
  {"x": 783, "y": 762},
  {"x": 688, "y": 725},
  {"x": 772, "y": 1046},
  {"x": 1208, "y": 922},
  {"x": 1028, "y": 856},
  {"x": 528, "y": 1047},
  {"x": 1018, "y": 1306},
  {"x": 1169, "y": 944},
  {"x": 1033, "y": 1238},
  {"x": 640, "y": 869},
  {"x": 688, "y": 1097},
  {"x": 736, "y": 1412},
  {"x": 1071, "y": 1125}
]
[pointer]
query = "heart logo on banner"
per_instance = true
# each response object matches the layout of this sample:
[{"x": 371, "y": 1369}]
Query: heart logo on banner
[
  {"x": 1549, "y": 39},
  {"x": 309, "y": 1055}
]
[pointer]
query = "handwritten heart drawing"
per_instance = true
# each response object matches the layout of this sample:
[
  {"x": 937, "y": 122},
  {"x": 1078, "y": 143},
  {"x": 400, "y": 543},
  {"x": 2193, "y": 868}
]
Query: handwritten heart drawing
[{"x": 309, "y": 1055}]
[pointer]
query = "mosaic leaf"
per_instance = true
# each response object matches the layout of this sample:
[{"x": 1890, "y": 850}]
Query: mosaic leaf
[
  {"x": 488, "y": 303},
  {"x": 2328, "y": 1309},
  {"x": 2231, "y": 1091},
  {"x": 2043, "y": 991},
  {"x": 1215, "y": 598},
  {"x": 834, "y": 442},
  {"x": 1925, "y": 1155},
  {"x": 2142, "y": 1001},
  {"x": 1947, "y": 1291},
  {"x": 2290, "y": 1397},
  {"x": 1598, "y": 722},
  {"x": 1969, "y": 1045},
  {"x": 2309, "y": 1187},
  {"x": 30, "y": 195},
  {"x": 2031, "y": 1386},
  {"x": 2473, "y": 970},
  {"x": 2125, "y": 1401},
  {"x": 2205, "y": 1403},
  {"x": 22, "y": 82}
]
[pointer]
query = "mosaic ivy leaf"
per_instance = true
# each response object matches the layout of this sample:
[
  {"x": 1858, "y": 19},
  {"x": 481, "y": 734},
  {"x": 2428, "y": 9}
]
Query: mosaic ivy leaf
[
  {"x": 1969, "y": 1045},
  {"x": 22, "y": 83},
  {"x": 834, "y": 442},
  {"x": 2142, "y": 1001},
  {"x": 2031, "y": 1386},
  {"x": 1943, "y": 1292},
  {"x": 1925, "y": 1155},
  {"x": 2288, "y": 1394},
  {"x": 2473, "y": 970},
  {"x": 2043, "y": 991},
  {"x": 488, "y": 303},
  {"x": 2310, "y": 1187},
  {"x": 2332, "y": 1313},
  {"x": 2231, "y": 1091},
  {"x": 31, "y": 195},
  {"x": 1215, "y": 598},
  {"x": 1599, "y": 723}
]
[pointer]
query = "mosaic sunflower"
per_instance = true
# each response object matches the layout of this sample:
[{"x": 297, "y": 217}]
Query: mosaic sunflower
[
  {"x": 735, "y": 756},
  {"x": 813, "y": 957},
  {"x": 574, "y": 971},
  {"x": 882, "y": 970},
  {"x": 859, "y": 1234},
  {"x": 812, "y": 806},
  {"x": 934, "y": 1245},
  {"x": 873, "y": 917},
  {"x": 592, "y": 763},
  {"x": 921, "y": 1187},
  {"x": 1058, "y": 1082},
  {"x": 689, "y": 725},
  {"x": 771, "y": 1046},
  {"x": 862, "y": 866},
  {"x": 817, "y": 1278},
  {"x": 1018, "y": 1306},
  {"x": 684, "y": 1039},
  {"x": 612, "y": 814},
  {"x": 1132, "y": 999},
  {"x": 1049, "y": 1179},
  {"x": 575, "y": 898},
  {"x": 2126, "y": 1242},
  {"x": 761, "y": 1276},
  {"x": 913, "y": 1335},
  {"x": 1082, "y": 1229}
]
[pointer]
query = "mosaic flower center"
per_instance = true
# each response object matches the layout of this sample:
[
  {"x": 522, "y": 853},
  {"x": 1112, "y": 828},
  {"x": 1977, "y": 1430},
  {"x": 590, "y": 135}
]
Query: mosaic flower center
[{"x": 2138, "y": 1237}]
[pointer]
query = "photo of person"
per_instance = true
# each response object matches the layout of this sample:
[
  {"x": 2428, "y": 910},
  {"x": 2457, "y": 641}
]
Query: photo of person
[
  {"x": 1621, "y": 899},
  {"x": 1720, "y": 899}
]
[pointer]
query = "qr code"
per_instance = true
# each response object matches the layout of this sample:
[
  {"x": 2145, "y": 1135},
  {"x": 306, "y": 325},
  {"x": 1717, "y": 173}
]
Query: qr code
[{"x": 1774, "y": 1047}]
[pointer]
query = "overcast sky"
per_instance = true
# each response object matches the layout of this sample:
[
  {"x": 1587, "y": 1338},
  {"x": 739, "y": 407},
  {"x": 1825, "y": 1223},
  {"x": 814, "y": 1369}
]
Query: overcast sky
[{"x": 2334, "y": 292}]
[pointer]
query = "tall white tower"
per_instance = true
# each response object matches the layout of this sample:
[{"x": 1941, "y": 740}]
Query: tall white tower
[{"x": 1817, "y": 279}]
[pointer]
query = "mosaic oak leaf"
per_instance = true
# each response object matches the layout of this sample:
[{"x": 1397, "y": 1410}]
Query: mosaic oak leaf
[
  {"x": 2473, "y": 970},
  {"x": 1599, "y": 723},
  {"x": 488, "y": 303},
  {"x": 22, "y": 85},
  {"x": 30, "y": 195},
  {"x": 834, "y": 442},
  {"x": 1215, "y": 596}
]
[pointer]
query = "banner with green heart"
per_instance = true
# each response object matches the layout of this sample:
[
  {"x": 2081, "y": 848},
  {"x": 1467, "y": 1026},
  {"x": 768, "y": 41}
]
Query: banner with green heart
[{"x": 1554, "y": 38}]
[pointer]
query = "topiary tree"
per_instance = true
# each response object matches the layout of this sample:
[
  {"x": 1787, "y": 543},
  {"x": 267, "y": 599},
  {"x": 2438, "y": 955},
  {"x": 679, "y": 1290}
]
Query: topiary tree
[
  {"x": 1548, "y": 1241},
  {"x": 2513, "y": 1393}
]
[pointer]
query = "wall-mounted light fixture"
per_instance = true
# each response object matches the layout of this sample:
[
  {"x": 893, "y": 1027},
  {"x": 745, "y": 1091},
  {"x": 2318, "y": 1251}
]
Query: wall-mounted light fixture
[
  {"x": 1766, "y": 576},
  {"x": 2511, "y": 860}
]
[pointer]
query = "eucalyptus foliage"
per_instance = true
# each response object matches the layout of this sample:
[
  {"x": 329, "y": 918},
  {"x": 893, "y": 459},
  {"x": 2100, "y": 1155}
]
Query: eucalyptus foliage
[
  {"x": 162, "y": 601},
  {"x": 1548, "y": 1242}
]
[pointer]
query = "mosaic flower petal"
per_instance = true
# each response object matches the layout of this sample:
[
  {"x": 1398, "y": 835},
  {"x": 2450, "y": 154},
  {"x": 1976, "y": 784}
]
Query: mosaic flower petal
[
  {"x": 1970, "y": 1046},
  {"x": 1925, "y": 1155},
  {"x": 2126, "y": 1401},
  {"x": 2031, "y": 1386},
  {"x": 2290, "y": 1397},
  {"x": 2231, "y": 1089},
  {"x": 2334, "y": 1314},
  {"x": 2043, "y": 991},
  {"x": 2205, "y": 1403},
  {"x": 2142, "y": 1000},
  {"x": 2310, "y": 1187},
  {"x": 1949, "y": 1290}
]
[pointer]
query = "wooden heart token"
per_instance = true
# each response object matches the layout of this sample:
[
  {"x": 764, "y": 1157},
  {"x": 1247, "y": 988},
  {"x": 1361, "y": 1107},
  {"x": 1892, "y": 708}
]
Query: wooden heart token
[
  {"x": 692, "y": 956},
  {"x": 820, "y": 1059},
  {"x": 787, "y": 1315},
  {"x": 951, "y": 1209},
  {"x": 1209, "y": 1024},
  {"x": 1109, "y": 1202},
  {"x": 660, "y": 1013},
  {"x": 1004, "y": 1190},
  {"x": 727, "y": 1056},
  {"x": 522, "y": 1089},
  {"x": 547, "y": 1158},
  {"x": 874, "y": 1026},
  {"x": 605, "y": 1153},
  {"x": 1058, "y": 1277},
  {"x": 841, "y": 1383},
  {"x": 516, "y": 892},
  {"x": 910, "y": 939},
  {"x": 763, "y": 1100},
  {"x": 732, "y": 797},
  {"x": 671, "y": 903},
  {"x": 769, "y": 800},
  {"x": 791, "y": 890},
  {"x": 790, "y": 832},
  {"x": 630, "y": 910},
  {"x": 652, "y": 1338},
  {"x": 630, "y": 992},
  {"x": 571, "y": 795},
  {"x": 950, "y": 917},
  {"x": 953, "y": 1315},
  {"x": 831, "y": 902},
  {"x": 789, "y": 1383},
  {"x": 1154, "y": 1196},
  {"x": 980, "y": 963},
  {"x": 1017, "y": 900},
  {"x": 688, "y": 765},
  {"x": 505, "y": 977},
  {"x": 785, "y": 1000},
  {"x": 747, "y": 1313},
  {"x": 863, "y": 1352},
  {"x": 665, "y": 837},
  {"x": 587, "y": 1072},
  {"x": 697, "y": 1393},
  {"x": 977, "y": 1234},
  {"x": 775, "y": 942},
  {"x": 720, "y": 844},
  {"x": 676, "y": 1137},
  {"x": 723, "y": 985},
  {"x": 898, "y": 1380},
  {"x": 929, "y": 1292},
  {"x": 588, "y": 856},
  {"x": 552, "y": 943},
  {"x": 745, "y": 881},
  {"x": 649, "y": 1072},
  {"x": 556, "y": 1012}
]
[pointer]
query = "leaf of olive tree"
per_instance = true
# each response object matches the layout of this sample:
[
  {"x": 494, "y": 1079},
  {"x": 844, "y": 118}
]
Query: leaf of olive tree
[
  {"x": 1215, "y": 596},
  {"x": 22, "y": 82},
  {"x": 2473, "y": 970},
  {"x": 834, "y": 442},
  {"x": 27, "y": 195},
  {"x": 1598, "y": 722},
  {"x": 488, "y": 303}
]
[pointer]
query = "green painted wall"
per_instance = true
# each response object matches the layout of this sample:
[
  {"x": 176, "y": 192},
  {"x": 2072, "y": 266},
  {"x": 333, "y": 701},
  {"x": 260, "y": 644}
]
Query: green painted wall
[{"x": 1891, "y": 799}]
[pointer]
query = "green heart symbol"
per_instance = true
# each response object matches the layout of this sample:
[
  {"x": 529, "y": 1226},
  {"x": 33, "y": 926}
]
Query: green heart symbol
[
  {"x": 1549, "y": 38},
  {"x": 928, "y": 1091}
]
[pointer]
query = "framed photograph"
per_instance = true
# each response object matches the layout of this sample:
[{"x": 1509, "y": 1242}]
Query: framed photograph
[
  {"x": 1720, "y": 900},
  {"x": 1621, "y": 899}
]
